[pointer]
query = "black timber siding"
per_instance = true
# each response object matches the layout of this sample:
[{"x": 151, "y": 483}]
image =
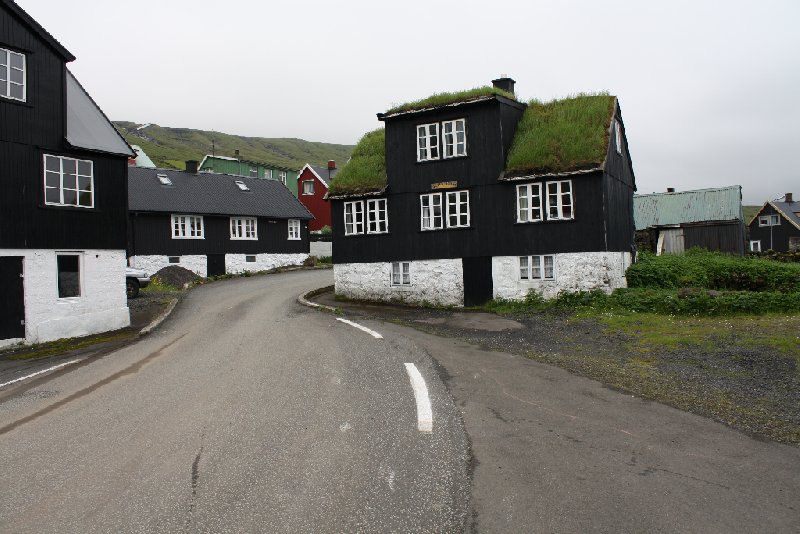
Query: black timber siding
[
  {"x": 779, "y": 238},
  {"x": 618, "y": 188},
  {"x": 727, "y": 237},
  {"x": 151, "y": 234}
]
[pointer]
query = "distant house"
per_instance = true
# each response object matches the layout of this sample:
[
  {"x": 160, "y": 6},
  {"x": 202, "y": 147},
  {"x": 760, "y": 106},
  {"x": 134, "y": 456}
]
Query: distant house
[
  {"x": 467, "y": 196},
  {"x": 673, "y": 222},
  {"x": 212, "y": 223},
  {"x": 63, "y": 176},
  {"x": 250, "y": 169},
  {"x": 312, "y": 186},
  {"x": 776, "y": 226}
]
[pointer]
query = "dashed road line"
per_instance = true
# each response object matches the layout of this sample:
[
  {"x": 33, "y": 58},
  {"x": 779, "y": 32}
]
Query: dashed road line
[
  {"x": 363, "y": 328},
  {"x": 424, "y": 410},
  {"x": 20, "y": 379}
]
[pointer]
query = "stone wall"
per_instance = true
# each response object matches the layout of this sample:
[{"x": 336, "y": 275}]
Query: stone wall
[
  {"x": 152, "y": 264},
  {"x": 237, "y": 263}
]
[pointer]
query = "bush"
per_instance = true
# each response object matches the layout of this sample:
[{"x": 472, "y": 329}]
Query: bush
[
  {"x": 712, "y": 270},
  {"x": 326, "y": 230}
]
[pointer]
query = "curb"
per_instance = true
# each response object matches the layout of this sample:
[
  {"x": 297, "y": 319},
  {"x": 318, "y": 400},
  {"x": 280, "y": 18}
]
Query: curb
[
  {"x": 160, "y": 319},
  {"x": 303, "y": 299}
]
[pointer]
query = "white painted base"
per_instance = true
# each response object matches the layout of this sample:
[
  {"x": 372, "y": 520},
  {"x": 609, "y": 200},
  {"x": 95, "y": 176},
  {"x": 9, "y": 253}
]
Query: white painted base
[
  {"x": 101, "y": 307},
  {"x": 236, "y": 263},
  {"x": 437, "y": 282},
  {"x": 584, "y": 271},
  {"x": 152, "y": 264}
]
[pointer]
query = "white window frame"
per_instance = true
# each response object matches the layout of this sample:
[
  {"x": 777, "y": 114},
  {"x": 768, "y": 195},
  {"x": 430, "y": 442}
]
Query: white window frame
[
  {"x": 79, "y": 256},
  {"x": 456, "y": 207},
  {"x": 355, "y": 212},
  {"x": 268, "y": 174},
  {"x": 769, "y": 220},
  {"x": 452, "y": 147},
  {"x": 253, "y": 172},
  {"x": 530, "y": 194},
  {"x": 429, "y": 220},
  {"x": 618, "y": 136},
  {"x": 377, "y": 216},
  {"x": 536, "y": 267},
  {"x": 244, "y": 228},
  {"x": 428, "y": 142},
  {"x": 62, "y": 187},
  {"x": 559, "y": 203},
  {"x": 755, "y": 245},
  {"x": 282, "y": 176},
  {"x": 401, "y": 274},
  {"x": 308, "y": 190},
  {"x": 187, "y": 227},
  {"x": 294, "y": 229},
  {"x": 5, "y": 72}
]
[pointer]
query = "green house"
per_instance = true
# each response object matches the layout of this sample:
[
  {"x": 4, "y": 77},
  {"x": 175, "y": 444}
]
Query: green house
[{"x": 252, "y": 169}]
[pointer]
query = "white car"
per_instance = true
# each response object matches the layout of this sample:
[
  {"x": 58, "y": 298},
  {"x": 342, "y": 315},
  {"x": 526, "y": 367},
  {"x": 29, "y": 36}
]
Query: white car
[{"x": 135, "y": 279}]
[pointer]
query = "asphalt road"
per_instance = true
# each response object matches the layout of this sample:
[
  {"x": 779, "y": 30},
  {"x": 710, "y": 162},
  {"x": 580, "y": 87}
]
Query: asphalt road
[{"x": 244, "y": 412}]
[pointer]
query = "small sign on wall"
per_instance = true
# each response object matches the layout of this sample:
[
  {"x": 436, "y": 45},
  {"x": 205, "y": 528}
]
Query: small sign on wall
[{"x": 444, "y": 185}]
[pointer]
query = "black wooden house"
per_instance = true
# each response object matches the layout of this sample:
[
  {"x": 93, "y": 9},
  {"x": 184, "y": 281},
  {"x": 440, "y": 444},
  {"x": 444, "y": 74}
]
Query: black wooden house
[
  {"x": 63, "y": 177},
  {"x": 776, "y": 226},
  {"x": 213, "y": 223},
  {"x": 468, "y": 196}
]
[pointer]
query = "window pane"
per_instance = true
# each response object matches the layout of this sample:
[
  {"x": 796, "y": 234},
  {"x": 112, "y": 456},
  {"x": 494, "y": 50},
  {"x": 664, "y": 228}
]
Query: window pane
[
  {"x": 70, "y": 181},
  {"x": 523, "y": 267},
  {"x": 68, "y": 276},
  {"x": 69, "y": 166},
  {"x": 17, "y": 76},
  {"x": 52, "y": 196},
  {"x": 85, "y": 183},
  {"x": 70, "y": 197},
  {"x": 52, "y": 163},
  {"x": 52, "y": 179},
  {"x": 85, "y": 199},
  {"x": 536, "y": 267},
  {"x": 16, "y": 60},
  {"x": 15, "y": 91},
  {"x": 3, "y": 58},
  {"x": 85, "y": 167},
  {"x": 548, "y": 266}
]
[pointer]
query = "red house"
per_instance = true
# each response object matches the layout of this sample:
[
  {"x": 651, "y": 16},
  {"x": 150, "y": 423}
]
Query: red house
[{"x": 312, "y": 185}]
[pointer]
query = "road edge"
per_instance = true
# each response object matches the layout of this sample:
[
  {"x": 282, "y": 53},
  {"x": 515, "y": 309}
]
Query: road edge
[
  {"x": 303, "y": 299},
  {"x": 160, "y": 318}
]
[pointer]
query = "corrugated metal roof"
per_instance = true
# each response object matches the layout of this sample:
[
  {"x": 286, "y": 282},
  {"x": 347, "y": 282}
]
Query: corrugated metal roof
[
  {"x": 210, "y": 193},
  {"x": 662, "y": 209}
]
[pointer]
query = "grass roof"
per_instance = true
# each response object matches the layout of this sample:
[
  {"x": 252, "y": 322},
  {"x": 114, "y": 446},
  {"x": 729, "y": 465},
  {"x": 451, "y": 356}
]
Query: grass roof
[
  {"x": 563, "y": 135},
  {"x": 366, "y": 170},
  {"x": 443, "y": 99}
]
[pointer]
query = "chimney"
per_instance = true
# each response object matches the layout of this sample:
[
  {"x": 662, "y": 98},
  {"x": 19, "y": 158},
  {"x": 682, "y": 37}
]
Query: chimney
[
  {"x": 191, "y": 166},
  {"x": 504, "y": 84},
  {"x": 331, "y": 165},
  {"x": 670, "y": 190},
  {"x": 788, "y": 198}
]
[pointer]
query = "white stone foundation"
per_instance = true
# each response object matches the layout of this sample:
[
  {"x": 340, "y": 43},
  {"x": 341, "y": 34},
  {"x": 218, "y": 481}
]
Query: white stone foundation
[
  {"x": 237, "y": 263},
  {"x": 583, "y": 271},
  {"x": 152, "y": 264},
  {"x": 437, "y": 282},
  {"x": 102, "y": 305}
]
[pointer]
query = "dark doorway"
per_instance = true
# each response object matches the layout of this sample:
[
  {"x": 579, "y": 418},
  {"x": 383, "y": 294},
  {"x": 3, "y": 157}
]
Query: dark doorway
[
  {"x": 477, "y": 280},
  {"x": 216, "y": 264},
  {"x": 12, "y": 298}
]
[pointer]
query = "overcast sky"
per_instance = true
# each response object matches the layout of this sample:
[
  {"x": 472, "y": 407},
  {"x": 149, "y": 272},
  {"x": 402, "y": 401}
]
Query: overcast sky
[{"x": 708, "y": 89}]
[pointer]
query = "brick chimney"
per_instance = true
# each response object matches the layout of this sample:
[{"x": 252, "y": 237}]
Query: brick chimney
[
  {"x": 331, "y": 165},
  {"x": 504, "y": 84},
  {"x": 670, "y": 190},
  {"x": 788, "y": 198},
  {"x": 192, "y": 166}
]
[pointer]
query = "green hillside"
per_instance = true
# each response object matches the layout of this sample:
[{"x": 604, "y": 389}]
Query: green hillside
[
  {"x": 171, "y": 147},
  {"x": 749, "y": 212}
]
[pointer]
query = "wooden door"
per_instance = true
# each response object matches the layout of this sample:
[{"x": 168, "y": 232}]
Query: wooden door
[{"x": 12, "y": 298}]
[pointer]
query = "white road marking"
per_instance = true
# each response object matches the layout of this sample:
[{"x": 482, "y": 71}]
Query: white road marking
[
  {"x": 20, "y": 379},
  {"x": 424, "y": 410},
  {"x": 364, "y": 328}
]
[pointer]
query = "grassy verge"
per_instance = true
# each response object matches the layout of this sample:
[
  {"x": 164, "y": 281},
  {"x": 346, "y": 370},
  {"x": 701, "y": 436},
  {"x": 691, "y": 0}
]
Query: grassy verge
[{"x": 60, "y": 346}]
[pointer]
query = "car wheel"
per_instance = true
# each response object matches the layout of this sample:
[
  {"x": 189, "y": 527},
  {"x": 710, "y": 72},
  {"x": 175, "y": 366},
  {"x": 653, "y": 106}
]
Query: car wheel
[{"x": 132, "y": 288}]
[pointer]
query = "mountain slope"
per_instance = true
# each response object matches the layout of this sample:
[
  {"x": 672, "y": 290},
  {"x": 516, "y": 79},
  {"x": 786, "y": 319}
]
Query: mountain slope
[{"x": 171, "y": 147}]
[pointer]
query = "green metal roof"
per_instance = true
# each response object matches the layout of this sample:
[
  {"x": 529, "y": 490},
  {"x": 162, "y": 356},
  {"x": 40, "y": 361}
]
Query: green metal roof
[{"x": 664, "y": 209}]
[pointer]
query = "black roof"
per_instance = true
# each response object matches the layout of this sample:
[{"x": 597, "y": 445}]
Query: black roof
[
  {"x": 208, "y": 193},
  {"x": 39, "y": 30}
]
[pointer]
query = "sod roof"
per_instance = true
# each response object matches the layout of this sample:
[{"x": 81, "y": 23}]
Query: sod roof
[{"x": 562, "y": 136}]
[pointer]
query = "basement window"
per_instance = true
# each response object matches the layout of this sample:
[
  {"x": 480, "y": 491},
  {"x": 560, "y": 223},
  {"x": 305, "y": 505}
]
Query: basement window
[
  {"x": 537, "y": 267},
  {"x": 241, "y": 185},
  {"x": 174, "y": 259},
  {"x": 69, "y": 275},
  {"x": 401, "y": 273},
  {"x": 164, "y": 179},
  {"x": 250, "y": 259}
]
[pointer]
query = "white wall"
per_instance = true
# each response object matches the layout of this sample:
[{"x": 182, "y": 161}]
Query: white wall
[
  {"x": 584, "y": 271},
  {"x": 102, "y": 306},
  {"x": 152, "y": 264},
  {"x": 321, "y": 248},
  {"x": 438, "y": 282},
  {"x": 236, "y": 263}
]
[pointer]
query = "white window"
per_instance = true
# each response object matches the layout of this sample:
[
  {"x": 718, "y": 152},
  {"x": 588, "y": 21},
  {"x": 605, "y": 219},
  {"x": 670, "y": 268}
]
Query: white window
[
  {"x": 308, "y": 187},
  {"x": 354, "y": 217},
  {"x": 769, "y": 220},
  {"x": 536, "y": 268},
  {"x": 457, "y": 209},
  {"x": 69, "y": 275},
  {"x": 12, "y": 75},
  {"x": 428, "y": 142},
  {"x": 454, "y": 137},
  {"x": 377, "y": 216},
  {"x": 755, "y": 246},
  {"x": 242, "y": 186},
  {"x": 268, "y": 174},
  {"x": 244, "y": 228},
  {"x": 559, "y": 200},
  {"x": 164, "y": 179},
  {"x": 529, "y": 203},
  {"x": 431, "y": 211},
  {"x": 401, "y": 273},
  {"x": 618, "y": 136},
  {"x": 68, "y": 182},
  {"x": 282, "y": 176},
  {"x": 253, "y": 172},
  {"x": 187, "y": 227},
  {"x": 294, "y": 229}
]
